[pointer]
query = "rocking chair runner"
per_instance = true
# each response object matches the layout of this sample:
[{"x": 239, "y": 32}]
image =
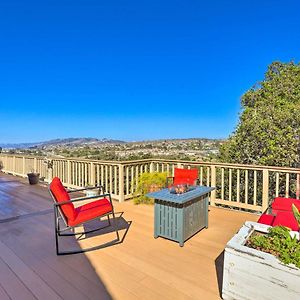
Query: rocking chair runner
[{"x": 72, "y": 217}]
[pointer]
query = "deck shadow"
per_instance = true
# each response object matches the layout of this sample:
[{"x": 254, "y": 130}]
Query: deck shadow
[
  {"x": 27, "y": 248},
  {"x": 219, "y": 265},
  {"x": 121, "y": 225}
]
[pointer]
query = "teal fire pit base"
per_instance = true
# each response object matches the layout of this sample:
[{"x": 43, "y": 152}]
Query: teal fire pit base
[
  {"x": 178, "y": 217},
  {"x": 178, "y": 222}
]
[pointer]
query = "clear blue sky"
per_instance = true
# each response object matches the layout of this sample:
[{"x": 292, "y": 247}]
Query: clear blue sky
[{"x": 135, "y": 70}]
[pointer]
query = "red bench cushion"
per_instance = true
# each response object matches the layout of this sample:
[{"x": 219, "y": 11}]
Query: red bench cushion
[
  {"x": 286, "y": 218},
  {"x": 283, "y": 218},
  {"x": 91, "y": 211},
  {"x": 285, "y": 204},
  {"x": 61, "y": 195},
  {"x": 266, "y": 219},
  {"x": 182, "y": 176}
]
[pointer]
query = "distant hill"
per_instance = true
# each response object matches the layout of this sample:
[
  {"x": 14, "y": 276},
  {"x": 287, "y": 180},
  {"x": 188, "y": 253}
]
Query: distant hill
[
  {"x": 94, "y": 142},
  {"x": 61, "y": 142},
  {"x": 17, "y": 146}
]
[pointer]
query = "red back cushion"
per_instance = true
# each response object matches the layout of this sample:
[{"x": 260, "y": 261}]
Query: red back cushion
[
  {"x": 281, "y": 203},
  {"x": 185, "y": 176},
  {"x": 61, "y": 195},
  {"x": 286, "y": 218}
]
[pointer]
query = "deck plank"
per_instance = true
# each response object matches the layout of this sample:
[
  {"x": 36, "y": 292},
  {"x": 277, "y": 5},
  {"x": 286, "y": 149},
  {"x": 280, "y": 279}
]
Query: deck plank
[
  {"x": 39, "y": 254},
  {"x": 12, "y": 285},
  {"x": 39, "y": 288},
  {"x": 3, "y": 294},
  {"x": 139, "y": 268}
]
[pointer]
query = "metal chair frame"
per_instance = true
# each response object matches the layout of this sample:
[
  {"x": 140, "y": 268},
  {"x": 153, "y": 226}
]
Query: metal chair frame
[{"x": 59, "y": 215}]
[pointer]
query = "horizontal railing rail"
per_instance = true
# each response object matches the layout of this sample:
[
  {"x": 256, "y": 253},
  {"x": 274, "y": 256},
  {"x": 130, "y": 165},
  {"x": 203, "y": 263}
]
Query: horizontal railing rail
[{"x": 249, "y": 187}]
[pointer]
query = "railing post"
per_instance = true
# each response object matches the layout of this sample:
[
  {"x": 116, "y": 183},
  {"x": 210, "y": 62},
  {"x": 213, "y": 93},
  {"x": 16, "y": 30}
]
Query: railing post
[
  {"x": 50, "y": 174},
  {"x": 179, "y": 165},
  {"x": 23, "y": 166},
  {"x": 92, "y": 174},
  {"x": 69, "y": 172},
  {"x": 35, "y": 165},
  {"x": 121, "y": 183},
  {"x": 151, "y": 167},
  {"x": 14, "y": 165},
  {"x": 6, "y": 162},
  {"x": 265, "y": 192},
  {"x": 213, "y": 184}
]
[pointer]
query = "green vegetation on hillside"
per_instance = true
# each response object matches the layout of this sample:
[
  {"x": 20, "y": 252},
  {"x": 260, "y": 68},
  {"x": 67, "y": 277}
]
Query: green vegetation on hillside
[{"x": 179, "y": 149}]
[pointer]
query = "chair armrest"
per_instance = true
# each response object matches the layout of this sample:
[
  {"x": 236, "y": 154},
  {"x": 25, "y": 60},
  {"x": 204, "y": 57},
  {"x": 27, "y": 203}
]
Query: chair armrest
[
  {"x": 100, "y": 187},
  {"x": 81, "y": 199}
]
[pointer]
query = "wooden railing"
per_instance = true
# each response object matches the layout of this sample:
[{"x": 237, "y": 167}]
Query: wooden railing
[{"x": 247, "y": 187}]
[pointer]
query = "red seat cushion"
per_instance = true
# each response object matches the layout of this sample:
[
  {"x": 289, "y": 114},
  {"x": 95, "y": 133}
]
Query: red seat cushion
[
  {"x": 61, "y": 195},
  {"x": 286, "y": 218},
  {"x": 266, "y": 219},
  {"x": 91, "y": 211},
  {"x": 285, "y": 204},
  {"x": 188, "y": 176}
]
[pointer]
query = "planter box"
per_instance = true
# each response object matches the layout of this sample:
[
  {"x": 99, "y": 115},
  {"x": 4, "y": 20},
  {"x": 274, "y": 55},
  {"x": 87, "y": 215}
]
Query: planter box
[{"x": 252, "y": 274}]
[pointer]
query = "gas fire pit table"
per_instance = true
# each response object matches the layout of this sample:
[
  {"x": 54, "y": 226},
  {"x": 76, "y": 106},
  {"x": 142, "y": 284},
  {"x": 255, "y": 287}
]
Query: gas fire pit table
[{"x": 179, "y": 216}]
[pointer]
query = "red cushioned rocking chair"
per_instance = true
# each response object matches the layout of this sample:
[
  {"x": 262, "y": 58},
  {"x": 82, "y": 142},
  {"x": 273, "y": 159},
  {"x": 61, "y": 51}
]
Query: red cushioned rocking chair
[
  {"x": 184, "y": 176},
  {"x": 72, "y": 217},
  {"x": 280, "y": 213}
]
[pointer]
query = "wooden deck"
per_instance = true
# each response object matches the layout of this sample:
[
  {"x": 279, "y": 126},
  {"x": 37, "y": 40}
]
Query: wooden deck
[{"x": 140, "y": 267}]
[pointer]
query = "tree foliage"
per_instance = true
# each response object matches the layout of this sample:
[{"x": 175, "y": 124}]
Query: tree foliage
[{"x": 268, "y": 132}]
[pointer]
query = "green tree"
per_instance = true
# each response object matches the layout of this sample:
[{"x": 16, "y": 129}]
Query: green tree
[{"x": 268, "y": 132}]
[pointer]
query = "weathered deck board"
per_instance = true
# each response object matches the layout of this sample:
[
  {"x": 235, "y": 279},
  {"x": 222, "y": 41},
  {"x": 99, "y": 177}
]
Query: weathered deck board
[
  {"x": 12, "y": 285},
  {"x": 39, "y": 288},
  {"x": 139, "y": 268}
]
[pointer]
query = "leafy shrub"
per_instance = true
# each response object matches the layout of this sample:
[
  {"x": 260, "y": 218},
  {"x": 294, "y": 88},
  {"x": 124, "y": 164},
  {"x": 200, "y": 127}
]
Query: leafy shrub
[
  {"x": 149, "y": 182},
  {"x": 279, "y": 243},
  {"x": 296, "y": 214}
]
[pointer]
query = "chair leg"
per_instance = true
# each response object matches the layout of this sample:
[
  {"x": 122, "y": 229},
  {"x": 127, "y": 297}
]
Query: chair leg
[
  {"x": 56, "y": 243},
  {"x": 56, "y": 226},
  {"x": 115, "y": 224}
]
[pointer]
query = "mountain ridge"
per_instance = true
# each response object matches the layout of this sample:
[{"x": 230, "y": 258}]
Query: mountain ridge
[
  {"x": 73, "y": 142},
  {"x": 60, "y": 142}
]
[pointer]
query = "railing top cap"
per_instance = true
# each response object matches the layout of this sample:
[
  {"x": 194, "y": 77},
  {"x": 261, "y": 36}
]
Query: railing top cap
[{"x": 142, "y": 161}]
